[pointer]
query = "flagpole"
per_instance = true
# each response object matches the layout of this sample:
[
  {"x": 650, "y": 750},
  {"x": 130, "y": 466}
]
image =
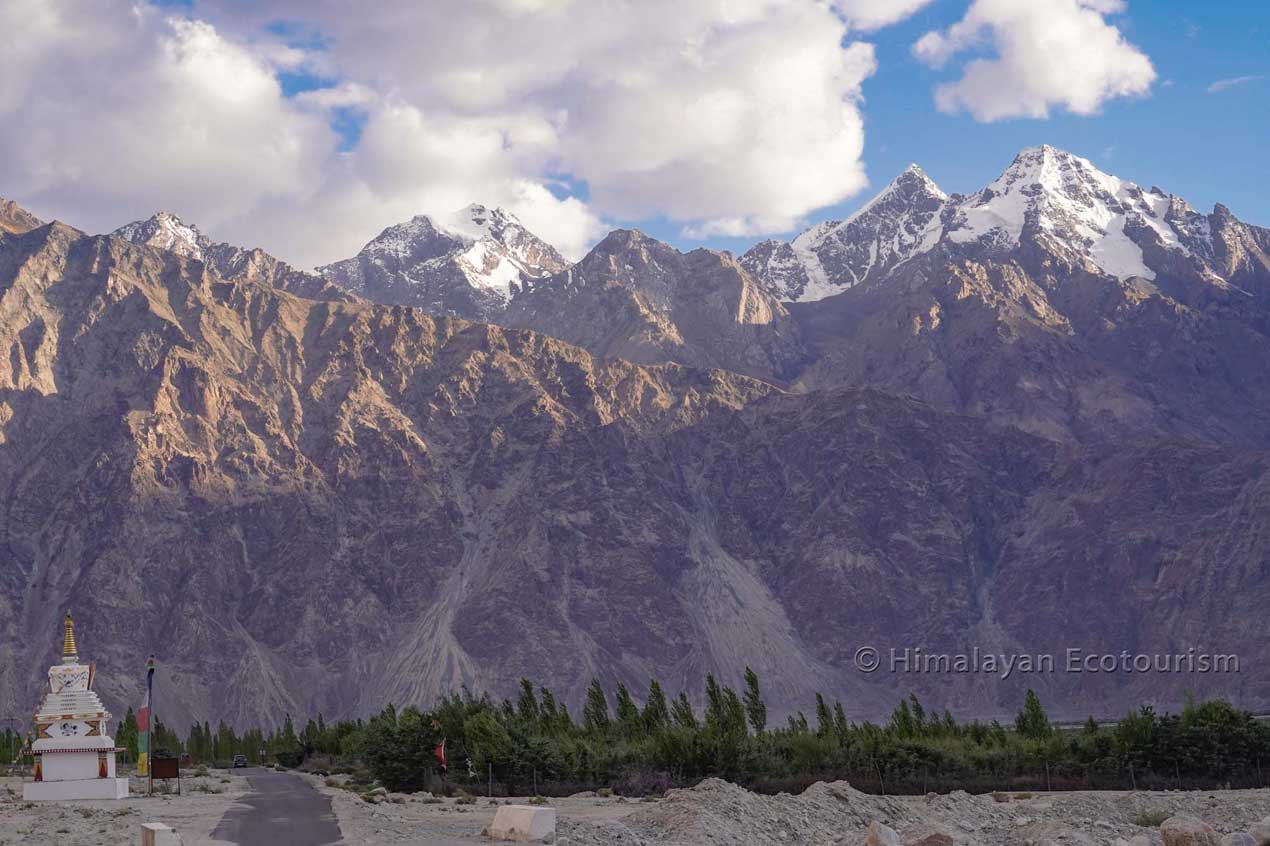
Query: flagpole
[{"x": 150, "y": 665}]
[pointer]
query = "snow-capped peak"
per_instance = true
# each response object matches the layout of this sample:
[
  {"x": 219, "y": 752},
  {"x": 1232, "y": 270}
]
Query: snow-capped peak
[
  {"x": 490, "y": 248},
  {"x": 1071, "y": 205},
  {"x": 1050, "y": 198},
  {"x": 835, "y": 255},
  {"x": 165, "y": 231}
]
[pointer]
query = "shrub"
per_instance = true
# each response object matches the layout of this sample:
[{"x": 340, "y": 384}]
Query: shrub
[{"x": 1150, "y": 818}]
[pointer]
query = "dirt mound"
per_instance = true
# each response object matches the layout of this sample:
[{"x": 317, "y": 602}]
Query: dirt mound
[{"x": 717, "y": 812}]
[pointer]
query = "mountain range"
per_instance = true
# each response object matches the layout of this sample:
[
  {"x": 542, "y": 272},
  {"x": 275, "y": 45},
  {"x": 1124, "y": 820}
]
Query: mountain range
[{"x": 1028, "y": 419}]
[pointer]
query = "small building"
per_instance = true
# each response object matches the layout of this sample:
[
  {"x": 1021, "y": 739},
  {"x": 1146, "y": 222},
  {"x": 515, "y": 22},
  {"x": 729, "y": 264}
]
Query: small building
[{"x": 74, "y": 755}]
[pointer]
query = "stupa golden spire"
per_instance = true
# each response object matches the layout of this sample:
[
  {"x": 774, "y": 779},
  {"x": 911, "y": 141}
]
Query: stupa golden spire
[{"x": 68, "y": 643}]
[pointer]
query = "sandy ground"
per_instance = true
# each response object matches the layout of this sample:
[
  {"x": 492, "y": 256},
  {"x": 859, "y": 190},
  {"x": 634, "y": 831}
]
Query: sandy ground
[{"x": 194, "y": 814}]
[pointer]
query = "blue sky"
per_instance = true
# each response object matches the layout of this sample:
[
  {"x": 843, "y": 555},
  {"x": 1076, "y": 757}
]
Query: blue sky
[
  {"x": 1208, "y": 148},
  {"x": 307, "y": 128}
]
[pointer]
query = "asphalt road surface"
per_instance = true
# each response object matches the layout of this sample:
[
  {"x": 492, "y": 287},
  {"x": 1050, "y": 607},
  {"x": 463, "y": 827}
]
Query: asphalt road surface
[{"x": 281, "y": 810}]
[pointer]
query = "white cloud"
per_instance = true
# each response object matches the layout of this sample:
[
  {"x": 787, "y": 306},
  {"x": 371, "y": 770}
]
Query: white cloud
[
  {"x": 1234, "y": 82},
  {"x": 1059, "y": 53},
  {"x": 729, "y": 116},
  {"x": 725, "y": 115},
  {"x": 112, "y": 112},
  {"x": 874, "y": 14}
]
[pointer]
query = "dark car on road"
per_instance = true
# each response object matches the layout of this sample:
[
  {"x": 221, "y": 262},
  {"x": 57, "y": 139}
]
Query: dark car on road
[{"x": 240, "y": 761}]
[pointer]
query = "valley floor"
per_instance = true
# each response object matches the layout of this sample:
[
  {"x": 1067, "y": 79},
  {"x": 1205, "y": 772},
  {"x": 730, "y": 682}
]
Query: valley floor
[
  {"x": 194, "y": 815},
  {"x": 714, "y": 812}
]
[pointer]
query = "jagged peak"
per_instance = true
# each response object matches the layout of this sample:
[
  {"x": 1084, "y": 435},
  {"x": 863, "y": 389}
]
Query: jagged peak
[
  {"x": 626, "y": 240},
  {"x": 15, "y": 220},
  {"x": 166, "y": 231},
  {"x": 1051, "y": 169},
  {"x": 912, "y": 186}
]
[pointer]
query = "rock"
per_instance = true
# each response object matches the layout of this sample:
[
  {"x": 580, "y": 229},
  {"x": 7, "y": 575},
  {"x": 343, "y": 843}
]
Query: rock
[
  {"x": 1151, "y": 838},
  {"x": 523, "y": 823},
  {"x": 933, "y": 840},
  {"x": 1187, "y": 831},
  {"x": 880, "y": 835},
  {"x": 1239, "y": 838},
  {"x": 1261, "y": 832}
]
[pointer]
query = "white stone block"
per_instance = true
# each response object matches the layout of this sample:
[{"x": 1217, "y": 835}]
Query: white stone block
[
  {"x": 523, "y": 822},
  {"x": 158, "y": 834},
  {"x": 84, "y": 788}
]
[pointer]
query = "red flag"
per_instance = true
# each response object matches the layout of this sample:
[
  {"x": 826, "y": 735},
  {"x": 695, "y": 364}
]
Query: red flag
[{"x": 440, "y": 753}]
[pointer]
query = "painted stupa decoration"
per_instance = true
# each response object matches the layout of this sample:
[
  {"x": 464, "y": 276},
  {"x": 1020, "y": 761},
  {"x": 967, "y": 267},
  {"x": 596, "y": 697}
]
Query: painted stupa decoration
[{"x": 74, "y": 755}]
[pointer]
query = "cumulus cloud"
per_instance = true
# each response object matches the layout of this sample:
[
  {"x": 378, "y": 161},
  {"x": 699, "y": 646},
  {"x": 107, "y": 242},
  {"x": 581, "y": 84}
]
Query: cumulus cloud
[
  {"x": 874, "y": 14},
  {"x": 1061, "y": 53},
  {"x": 119, "y": 111},
  {"x": 736, "y": 115},
  {"x": 729, "y": 116}
]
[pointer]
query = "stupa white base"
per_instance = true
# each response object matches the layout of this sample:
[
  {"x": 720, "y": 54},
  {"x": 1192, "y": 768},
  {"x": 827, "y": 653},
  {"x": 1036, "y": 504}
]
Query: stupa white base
[{"x": 80, "y": 788}]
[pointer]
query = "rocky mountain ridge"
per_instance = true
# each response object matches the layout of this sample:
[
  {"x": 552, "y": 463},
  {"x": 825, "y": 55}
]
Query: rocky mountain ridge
[
  {"x": 636, "y": 298},
  {"x": 307, "y": 502},
  {"x": 1048, "y": 201},
  {"x": 838, "y": 254},
  {"x": 167, "y": 232},
  {"x": 468, "y": 265},
  {"x": 15, "y": 220}
]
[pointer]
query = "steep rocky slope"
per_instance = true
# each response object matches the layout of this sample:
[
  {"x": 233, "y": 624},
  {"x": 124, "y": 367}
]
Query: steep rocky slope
[
  {"x": 14, "y": 219},
  {"x": 636, "y": 298},
  {"x": 305, "y": 506},
  {"x": 839, "y": 254},
  {"x": 1049, "y": 206},
  {"x": 165, "y": 231},
  {"x": 467, "y": 265},
  {"x": 1062, "y": 300}
]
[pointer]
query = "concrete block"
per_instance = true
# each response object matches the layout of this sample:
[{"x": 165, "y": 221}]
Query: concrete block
[
  {"x": 158, "y": 834},
  {"x": 523, "y": 823}
]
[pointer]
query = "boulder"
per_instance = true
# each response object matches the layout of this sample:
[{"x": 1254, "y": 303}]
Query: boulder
[
  {"x": 1261, "y": 832},
  {"x": 1238, "y": 838},
  {"x": 524, "y": 823},
  {"x": 1187, "y": 831},
  {"x": 880, "y": 835},
  {"x": 933, "y": 840}
]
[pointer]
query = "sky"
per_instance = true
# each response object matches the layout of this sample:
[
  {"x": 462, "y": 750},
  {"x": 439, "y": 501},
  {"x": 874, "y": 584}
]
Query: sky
[{"x": 307, "y": 126}]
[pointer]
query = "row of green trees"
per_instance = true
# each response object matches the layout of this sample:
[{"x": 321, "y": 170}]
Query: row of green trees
[
  {"x": 218, "y": 747},
  {"x": 532, "y": 741}
]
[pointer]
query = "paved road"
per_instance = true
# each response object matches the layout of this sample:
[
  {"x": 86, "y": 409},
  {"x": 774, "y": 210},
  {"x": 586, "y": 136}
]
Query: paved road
[{"x": 281, "y": 810}]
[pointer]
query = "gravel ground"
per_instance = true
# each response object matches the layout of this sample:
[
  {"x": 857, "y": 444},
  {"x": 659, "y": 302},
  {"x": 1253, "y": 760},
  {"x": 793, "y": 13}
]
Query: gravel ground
[
  {"x": 716, "y": 812},
  {"x": 194, "y": 815}
]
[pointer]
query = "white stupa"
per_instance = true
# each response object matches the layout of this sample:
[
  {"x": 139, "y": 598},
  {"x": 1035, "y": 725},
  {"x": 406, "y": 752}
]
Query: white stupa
[{"x": 74, "y": 757}]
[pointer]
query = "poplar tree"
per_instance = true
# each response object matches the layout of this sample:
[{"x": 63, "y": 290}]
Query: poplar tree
[
  {"x": 595, "y": 713},
  {"x": 755, "y": 709}
]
